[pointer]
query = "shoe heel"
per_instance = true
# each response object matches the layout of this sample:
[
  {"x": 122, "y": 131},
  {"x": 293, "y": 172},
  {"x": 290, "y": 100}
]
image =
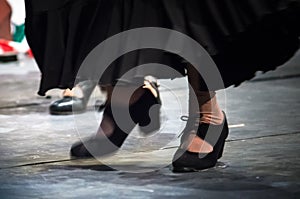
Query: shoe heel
[
  {"x": 221, "y": 151},
  {"x": 146, "y": 112},
  {"x": 150, "y": 122}
]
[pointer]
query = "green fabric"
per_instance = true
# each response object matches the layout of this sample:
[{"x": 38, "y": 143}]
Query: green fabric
[{"x": 19, "y": 33}]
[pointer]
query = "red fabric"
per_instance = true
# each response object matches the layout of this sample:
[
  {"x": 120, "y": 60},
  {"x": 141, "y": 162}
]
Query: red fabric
[{"x": 4, "y": 45}]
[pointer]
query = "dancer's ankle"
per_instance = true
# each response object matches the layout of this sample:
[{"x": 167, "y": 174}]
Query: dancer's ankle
[
  {"x": 68, "y": 93},
  {"x": 211, "y": 113},
  {"x": 76, "y": 91}
]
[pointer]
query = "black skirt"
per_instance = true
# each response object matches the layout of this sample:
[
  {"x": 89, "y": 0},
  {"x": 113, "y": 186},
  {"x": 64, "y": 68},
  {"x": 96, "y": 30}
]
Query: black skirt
[{"x": 241, "y": 36}]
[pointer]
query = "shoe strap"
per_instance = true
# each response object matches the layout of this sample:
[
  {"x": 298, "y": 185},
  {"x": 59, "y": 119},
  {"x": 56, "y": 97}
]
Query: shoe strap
[
  {"x": 201, "y": 129},
  {"x": 216, "y": 130}
]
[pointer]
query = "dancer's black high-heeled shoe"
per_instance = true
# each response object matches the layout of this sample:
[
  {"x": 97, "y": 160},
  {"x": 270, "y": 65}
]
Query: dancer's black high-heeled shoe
[
  {"x": 98, "y": 146},
  {"x": 71, "y": 104},
  {"x": 186, "y": 161}
]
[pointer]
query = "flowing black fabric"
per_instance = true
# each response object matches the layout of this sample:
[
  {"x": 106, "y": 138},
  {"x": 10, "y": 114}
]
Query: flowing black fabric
[{"x": 242, "y": 36}]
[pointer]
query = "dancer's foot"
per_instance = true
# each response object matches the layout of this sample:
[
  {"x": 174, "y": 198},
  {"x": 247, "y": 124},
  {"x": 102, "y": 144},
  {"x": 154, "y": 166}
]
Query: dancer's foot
[
  {"x": 70, "y": 103},
  {"x": 198, "y": 151},
  {"x": 202, "y": 148},
  {"x": 112, "y": 132}
]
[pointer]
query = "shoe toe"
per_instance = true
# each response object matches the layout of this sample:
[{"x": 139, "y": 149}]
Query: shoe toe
[
  {"x": 67, "y": 105},
  {"x": 79, "y": 150},
  {"x": 93, "y": 147}
]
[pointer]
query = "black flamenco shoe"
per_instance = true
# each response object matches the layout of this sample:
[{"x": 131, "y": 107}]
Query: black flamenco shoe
[
  {"x": 98, "y": 146},
  {"x": 186, "y": 161},
  {"x": 70, "y": 105}
]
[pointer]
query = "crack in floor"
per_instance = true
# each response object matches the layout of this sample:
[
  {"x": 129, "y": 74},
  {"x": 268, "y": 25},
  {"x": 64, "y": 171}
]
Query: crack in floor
[{"x": 172, "y": 147}]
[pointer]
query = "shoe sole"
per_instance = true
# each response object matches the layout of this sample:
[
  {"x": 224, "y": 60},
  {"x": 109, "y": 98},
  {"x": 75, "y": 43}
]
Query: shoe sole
[
  {"x": 184, "y": 170},
  {"x": 67, "y": 113}
]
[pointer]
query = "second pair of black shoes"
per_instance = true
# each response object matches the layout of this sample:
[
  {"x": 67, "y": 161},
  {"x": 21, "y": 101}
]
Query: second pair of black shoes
[{"x": 69, "y": 105}]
